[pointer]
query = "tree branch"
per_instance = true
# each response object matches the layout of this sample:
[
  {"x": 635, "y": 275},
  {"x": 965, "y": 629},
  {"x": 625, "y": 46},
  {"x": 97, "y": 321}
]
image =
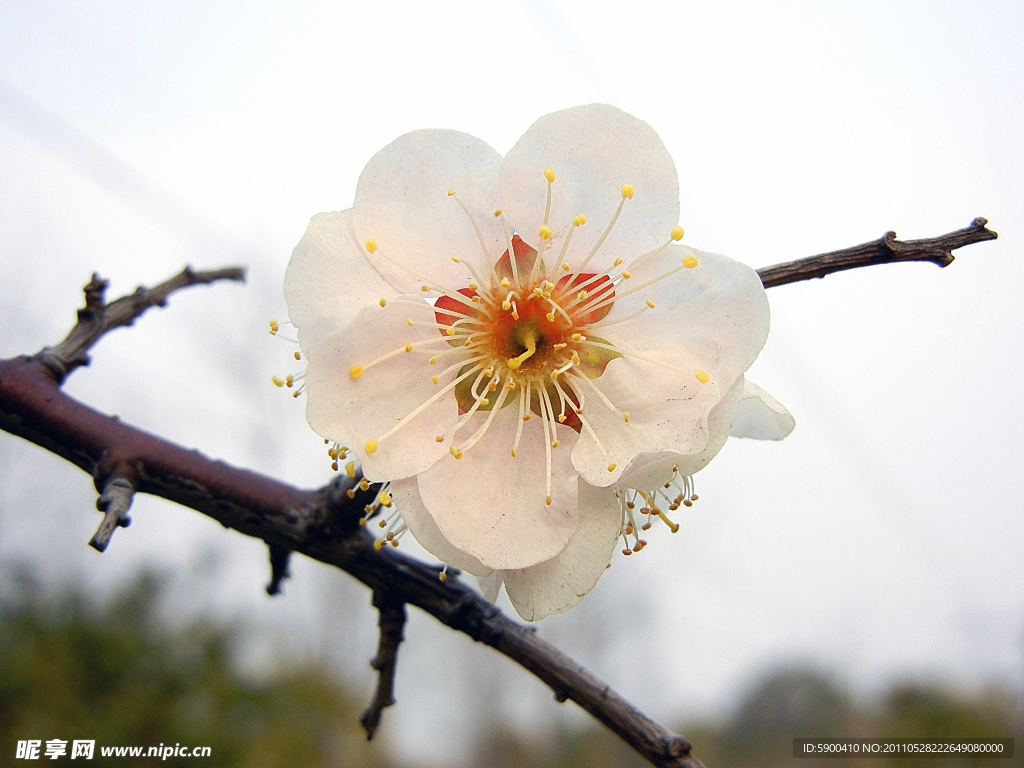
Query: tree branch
[
  {"x": 98, "y": 317},
  {"x": 885, "y": 250},
  {"x": 392, "y": 622}
]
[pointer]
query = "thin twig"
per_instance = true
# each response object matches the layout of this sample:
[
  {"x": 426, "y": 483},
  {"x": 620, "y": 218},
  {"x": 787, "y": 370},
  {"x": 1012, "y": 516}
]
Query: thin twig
[
  {"x": 392, "y": 622},
  {"x": 114, "y": 503},
  {"x": 279, "y": 559},
  {"x": 885, "y": 250},
  {"x": 98, "y": 317}
]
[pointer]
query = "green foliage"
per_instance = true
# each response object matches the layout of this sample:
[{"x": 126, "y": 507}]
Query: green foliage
[{"x": 70, "y": 669}]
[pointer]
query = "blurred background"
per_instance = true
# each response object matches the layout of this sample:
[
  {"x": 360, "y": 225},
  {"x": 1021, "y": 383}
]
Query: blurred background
[{"x": 862, "y": 577}]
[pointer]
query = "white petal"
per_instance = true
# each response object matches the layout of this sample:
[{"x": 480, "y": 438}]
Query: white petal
[
  {"x": 328, "y": 279},
  {"x": 423, "y": 528},
  {"x": 593, "y": 150},
  {"x": 558, "y": 584},
  {"x": 668, "y": 411},
  {"x": 492, "y": 505},
  {"x": 490, "y": 586},
  {"x": 652, "y": 470},
  {"x": 717, "y": 312},
  {"x": 402, "y": 203},
  {"x": 367, "y": 407},
  {"x": 761, "y": 416},
  {"x": 712, "y": 318}
]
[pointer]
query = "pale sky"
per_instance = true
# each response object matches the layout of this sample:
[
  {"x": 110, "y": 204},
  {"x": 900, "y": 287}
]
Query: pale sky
[{"x": 881, "y": 540}]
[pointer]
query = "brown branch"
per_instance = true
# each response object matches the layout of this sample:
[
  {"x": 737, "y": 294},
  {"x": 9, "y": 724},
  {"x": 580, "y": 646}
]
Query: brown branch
[
  {"x": 392, "y": 622},
  {"x": 97, "y": 317},
  {"x": 886, "y": 250}
]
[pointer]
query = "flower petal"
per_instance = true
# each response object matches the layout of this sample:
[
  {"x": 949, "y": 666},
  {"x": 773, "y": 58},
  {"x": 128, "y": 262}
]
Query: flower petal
[
  {"x": 761, "y": 416},
  {"x": 667, "y": 411},
  {"x": 366, "y": 407},
  {"x": 717, "y": 311},
  {"x": 423, "y": 528},
  {"x": 402, "y": 203},
  {"x": 328, "y": 279},
  {"x": 713, "y": 318},
  {"x": 492, "y": 506},
  {"x": 593, "y": 150},
  {"x": 556, "y": 585}
]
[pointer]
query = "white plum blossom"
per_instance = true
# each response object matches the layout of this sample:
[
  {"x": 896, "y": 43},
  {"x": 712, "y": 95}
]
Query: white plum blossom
[{"x": 522, "y": 349}]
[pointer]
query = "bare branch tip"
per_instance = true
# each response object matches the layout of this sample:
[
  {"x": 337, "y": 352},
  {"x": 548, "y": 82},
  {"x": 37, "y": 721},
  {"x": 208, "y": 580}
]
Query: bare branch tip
[
  {"x": 279, "y": 559},
  {"x": 392, "y": 624},
  {"x": 114, "y": 503}
]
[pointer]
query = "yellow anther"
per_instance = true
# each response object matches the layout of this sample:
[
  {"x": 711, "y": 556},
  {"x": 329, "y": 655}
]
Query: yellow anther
[
  {"x": 364, "y": 484},
  {"x": 408, "y": 321},
  {"x": 371, "y": 245},
  {"x": 582, "y": 295},
  {"x": 362, "y": 521},
  {"x": 689, "y": 262},
  {"x": 434, "y": 379},
  {"x": 473, "y": 286},
  {"x": 457, "y": 455},
  {"x": 439, "y": 439},
  {"x": 274, "y": 327},
  {"x": 477, "y": 299},
  {"x": 424, "y": 288},
  {"x": 649, "y": 304},
  {"x": 625, "y": 417},
  {"x": 611, "y": 467},
  {"x": 456, "y": 259},
  {"x": 497, "y": 212},
  {"x": 371, "y": 446},
  {"x": 451, "y": 192},
  {"x": 385, "y": 499},
  {"x": 527, "y": 417},
  {"x": 548, "y": 501},
  {"x": 442, "y": 576},
  {"x": 555, "y": 443},
  {"x": 492, "y": 386},
  {"x": 351, "y": 493},
  {"x": 449, "y": 330},
  {"x": 627, "y": 190},
  {"x": 677, "y": 233},
  {"x": 505, "y": 282},
  {"x": 278, "y": 381},
  {"x": 296, "y": 393},
  {"x": 549, "y": 174},
  {"x": 297, "y": 355},
  {"x": 408, "y": 347},
  {"x": 625, "y": 274},
  {"x": 514, "y": 454},
  {"x": 561, "y": 418},
  {"x": 350, "y": 469},
  {"x": 355, "y": 371},
  {"x": 289, "y": 381},
  {"x": 579, "y": 219},
  {"x": 565, "y": 266},
  {"x": 545, "y": 233},
  {"x": 575, "y": 359},
  {"x": 382, "y": 302},
  {"x": 702, "y": 376},
  {"x": 550, "y": 316},
  {"x": 432, "y": 360},
  {"x": 378, "y": 544},
  {"x": 616, "y": 262}
]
